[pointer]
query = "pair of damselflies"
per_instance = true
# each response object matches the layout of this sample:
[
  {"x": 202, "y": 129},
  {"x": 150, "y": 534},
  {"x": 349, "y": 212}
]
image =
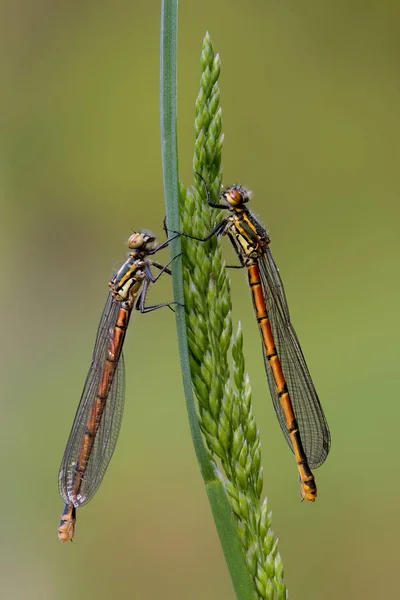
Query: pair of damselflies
[{"x": 97, "y": 422}]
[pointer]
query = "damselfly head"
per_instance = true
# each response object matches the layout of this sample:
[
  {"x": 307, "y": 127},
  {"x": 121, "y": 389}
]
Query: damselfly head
[
  {"x": 236, "y": 195},
  {"x": 142, "y": 239}
]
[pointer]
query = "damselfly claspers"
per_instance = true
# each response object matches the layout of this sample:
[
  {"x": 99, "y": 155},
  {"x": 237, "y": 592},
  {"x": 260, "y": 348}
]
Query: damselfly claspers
[
  {"x": 97, "y": 422},
  {"x": 293, "y": 393}
]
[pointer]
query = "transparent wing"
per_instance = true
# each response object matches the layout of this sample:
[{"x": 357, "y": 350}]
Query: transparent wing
[
  {"x": 313, "y": 427},
  {"x": 110, "y": 423}
]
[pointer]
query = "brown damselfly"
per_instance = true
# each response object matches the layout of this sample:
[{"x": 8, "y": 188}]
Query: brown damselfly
[
  {"x": 97, "y": 422},
  {"x": 293, "y": 393}
]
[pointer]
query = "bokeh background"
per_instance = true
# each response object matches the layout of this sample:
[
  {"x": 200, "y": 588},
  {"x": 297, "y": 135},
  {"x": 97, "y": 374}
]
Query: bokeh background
[{"x": 310, "y": 95}]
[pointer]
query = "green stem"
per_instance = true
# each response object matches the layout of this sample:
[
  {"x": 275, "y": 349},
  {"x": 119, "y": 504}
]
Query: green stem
[{"x": 217, "y": 496}]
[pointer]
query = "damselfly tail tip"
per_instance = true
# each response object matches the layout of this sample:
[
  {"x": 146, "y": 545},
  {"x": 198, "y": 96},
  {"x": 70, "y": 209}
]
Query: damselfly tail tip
[
  {"x": 66, "y": 529},
  {"x": 308, "y": 492}
]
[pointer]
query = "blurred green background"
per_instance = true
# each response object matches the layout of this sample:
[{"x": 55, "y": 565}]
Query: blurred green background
[{"x": 310, "y": 95}]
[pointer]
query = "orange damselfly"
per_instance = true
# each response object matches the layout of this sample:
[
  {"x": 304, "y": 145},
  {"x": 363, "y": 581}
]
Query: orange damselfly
[
  {"x": 97, "y": 422},
  {"x": 293, "y": 393}
]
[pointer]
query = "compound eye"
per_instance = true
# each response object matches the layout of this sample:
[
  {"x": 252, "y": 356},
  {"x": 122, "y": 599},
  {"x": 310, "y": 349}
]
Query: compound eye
[
  {"x": 136, "y": 240},
  {"x": 150, "y": 243},
  {"x": 234, "y": 197}
]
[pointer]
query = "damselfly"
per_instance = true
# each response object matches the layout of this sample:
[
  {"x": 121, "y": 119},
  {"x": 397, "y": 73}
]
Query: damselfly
[
  {"x": 97, "y": 422},
  {"x": 293, "y": 393}
]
